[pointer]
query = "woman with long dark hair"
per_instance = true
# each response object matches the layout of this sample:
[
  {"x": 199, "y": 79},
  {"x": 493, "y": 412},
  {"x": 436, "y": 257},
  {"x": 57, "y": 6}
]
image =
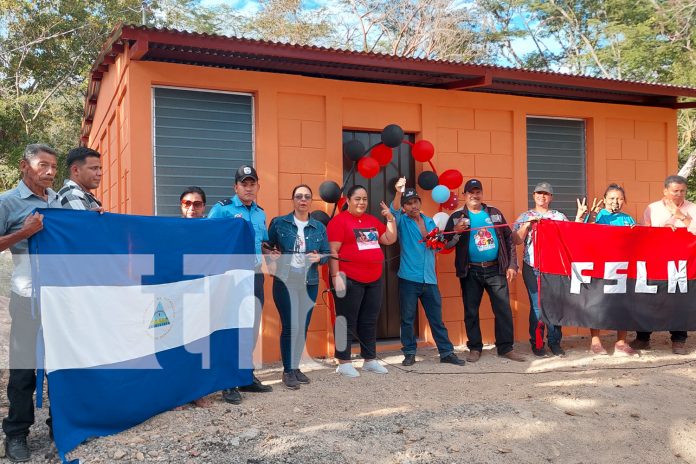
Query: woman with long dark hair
[{"x": 611, "y": 215}]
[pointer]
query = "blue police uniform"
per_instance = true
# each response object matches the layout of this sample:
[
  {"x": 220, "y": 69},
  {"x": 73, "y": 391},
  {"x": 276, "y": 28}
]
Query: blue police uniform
[{"x": 234, "y": 208}]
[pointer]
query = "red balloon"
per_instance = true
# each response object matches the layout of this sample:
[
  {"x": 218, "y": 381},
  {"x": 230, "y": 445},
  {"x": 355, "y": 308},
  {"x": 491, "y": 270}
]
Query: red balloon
[
  {"x": 452, "y": 203},
  {"x": 446, "y": 251},
  {"x": 368, "y": 167},
  {"x": 451, "y": 178},
  {"x": 382, "y": 153},
  {"x": 423, "y": 151},
  {"x": 339, "y": 204}
]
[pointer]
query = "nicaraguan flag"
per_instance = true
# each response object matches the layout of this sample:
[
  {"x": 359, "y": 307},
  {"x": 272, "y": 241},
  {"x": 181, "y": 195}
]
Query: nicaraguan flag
[{"x": 140, "y": 314}]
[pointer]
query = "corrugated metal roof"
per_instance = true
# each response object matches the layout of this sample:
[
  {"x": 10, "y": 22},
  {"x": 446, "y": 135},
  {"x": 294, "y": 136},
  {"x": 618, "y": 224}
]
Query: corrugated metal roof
[{"x": 169, "y": 45}]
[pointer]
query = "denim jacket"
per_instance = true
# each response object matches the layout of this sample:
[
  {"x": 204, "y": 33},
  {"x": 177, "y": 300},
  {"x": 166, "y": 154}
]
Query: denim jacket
[{"x": 283, "y": 232}]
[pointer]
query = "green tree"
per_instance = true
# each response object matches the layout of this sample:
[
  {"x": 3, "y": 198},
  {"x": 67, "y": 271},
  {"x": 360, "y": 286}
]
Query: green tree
[
  {"x": 46, "y": 50},
  {"x": 644, "y": 40}
]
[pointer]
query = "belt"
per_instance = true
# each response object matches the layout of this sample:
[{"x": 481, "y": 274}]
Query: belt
[{"x": 484, "y": 264}]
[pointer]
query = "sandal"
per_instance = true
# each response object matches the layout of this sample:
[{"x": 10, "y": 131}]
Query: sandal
[
  {"x": 624, "y": 350},
  {"x": 598, "y": 349}
]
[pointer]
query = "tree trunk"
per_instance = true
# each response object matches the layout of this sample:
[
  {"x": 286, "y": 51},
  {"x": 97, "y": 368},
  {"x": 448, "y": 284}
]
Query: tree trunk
[{"x": 688, "y": 166}]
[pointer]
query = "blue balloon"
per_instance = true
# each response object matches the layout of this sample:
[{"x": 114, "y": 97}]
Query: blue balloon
[{"x": 440, "y": 194}]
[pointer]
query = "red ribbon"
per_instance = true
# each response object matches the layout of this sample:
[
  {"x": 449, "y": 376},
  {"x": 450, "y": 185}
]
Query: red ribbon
[{"x": 538, "y": 337}]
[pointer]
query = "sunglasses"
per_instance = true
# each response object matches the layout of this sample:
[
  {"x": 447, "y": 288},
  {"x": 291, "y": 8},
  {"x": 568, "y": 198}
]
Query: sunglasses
[
  {"x": 189, "y": 203},
  {"x": 300, "y": 196}
]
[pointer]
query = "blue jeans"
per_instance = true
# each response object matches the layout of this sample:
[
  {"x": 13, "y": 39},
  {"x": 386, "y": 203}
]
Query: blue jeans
[
  {"x": 429, "y": 295},
  {"x": 295, "y": 302},
  {"x": 553, "y": 333}
]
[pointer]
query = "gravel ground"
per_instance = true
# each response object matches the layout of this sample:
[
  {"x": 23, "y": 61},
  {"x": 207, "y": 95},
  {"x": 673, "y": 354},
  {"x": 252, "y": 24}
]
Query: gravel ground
[{"x": 577, "y": 409}]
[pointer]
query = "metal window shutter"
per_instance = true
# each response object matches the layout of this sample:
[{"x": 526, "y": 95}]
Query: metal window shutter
[
  {"x": 556, "y": 154},
  {"x": 200, "y": 138}
]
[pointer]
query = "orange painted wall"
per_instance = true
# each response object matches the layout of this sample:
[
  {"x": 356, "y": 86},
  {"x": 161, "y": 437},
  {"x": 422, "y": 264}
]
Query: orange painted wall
[{"x": 299, "y": 123}]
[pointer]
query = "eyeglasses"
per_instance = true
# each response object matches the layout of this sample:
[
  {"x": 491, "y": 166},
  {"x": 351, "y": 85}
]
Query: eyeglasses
[
  {"x": 189, "y": 203},
  {"x": 300, "y": 196}
]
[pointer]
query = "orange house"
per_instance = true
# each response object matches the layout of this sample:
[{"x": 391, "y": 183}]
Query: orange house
[{"x": 169, "y": 109}]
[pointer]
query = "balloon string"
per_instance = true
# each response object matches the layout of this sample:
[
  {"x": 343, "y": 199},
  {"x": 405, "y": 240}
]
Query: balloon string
[
  {"x": 343, "y": 187},
  {"x": 432, "y": 167}
]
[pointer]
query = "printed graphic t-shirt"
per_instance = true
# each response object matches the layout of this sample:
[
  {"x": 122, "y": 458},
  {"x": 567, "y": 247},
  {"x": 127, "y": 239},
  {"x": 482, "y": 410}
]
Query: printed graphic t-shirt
[
  {"x": 360, "y": 248},
  {"x": 483, "y": 243},
  {"x": 298, "y": 256}
]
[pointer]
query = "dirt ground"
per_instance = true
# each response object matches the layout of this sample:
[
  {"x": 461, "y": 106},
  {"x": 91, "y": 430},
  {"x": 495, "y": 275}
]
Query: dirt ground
[{"x": 577, "y": 409}]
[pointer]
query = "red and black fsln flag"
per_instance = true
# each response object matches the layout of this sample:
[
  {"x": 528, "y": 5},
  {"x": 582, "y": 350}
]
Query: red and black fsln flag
[{"x": 619, "y": 278}]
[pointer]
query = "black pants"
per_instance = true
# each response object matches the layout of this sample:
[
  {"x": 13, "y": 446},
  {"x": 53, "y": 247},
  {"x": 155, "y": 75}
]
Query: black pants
[
  {"x": 677, "y": 335},
  {"x": 22, "y": 381},
  {"x": 473, "y": 285},
  {"x": 357, "y": 313},
  {"x": 258, "y": 307}
]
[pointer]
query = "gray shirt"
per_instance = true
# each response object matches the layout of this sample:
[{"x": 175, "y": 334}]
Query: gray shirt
[{"x": 15, "y": 205}]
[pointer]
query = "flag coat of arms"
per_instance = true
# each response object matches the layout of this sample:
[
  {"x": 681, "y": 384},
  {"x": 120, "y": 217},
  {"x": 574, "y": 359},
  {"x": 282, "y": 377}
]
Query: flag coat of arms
[
  {"x": 139, "y": 315},
  {"x": 620, "y": 278}
]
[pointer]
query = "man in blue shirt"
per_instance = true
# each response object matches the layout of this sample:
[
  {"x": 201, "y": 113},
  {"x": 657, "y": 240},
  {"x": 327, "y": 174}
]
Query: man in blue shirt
[
  {"x": 17, "y": 224},
  {"x": 485, "y": 261},
  {"x": 417, "y": 279},
  {"x": 243, "y": 205}
]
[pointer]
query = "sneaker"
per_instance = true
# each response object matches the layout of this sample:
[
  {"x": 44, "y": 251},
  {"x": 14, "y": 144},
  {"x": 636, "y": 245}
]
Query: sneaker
[
  {"x": 16, "y": 449},
  {"x": 452, "y": 359},
  {"x": 256, "y": 387},
  {"x": 409, "y": 360},
  {"x": 678, "y": 348},
  {"x": 232, "y": 395},
  {"x": 539, "y": 352},
  {"x": 624, "y": 350},
  {"x": 301, "y": 377},
  {"x": 347, "y": 369},
  {"x": 473, "y": 356},
  {"x": 557, "y": 350},
  {"x": 373, "y": 366},
  {"x": 640, "y": 344},
  {"x": 513, "y": 355},
  {"x": 598, "y": 349},
  {"x": 290, "y": 381}
]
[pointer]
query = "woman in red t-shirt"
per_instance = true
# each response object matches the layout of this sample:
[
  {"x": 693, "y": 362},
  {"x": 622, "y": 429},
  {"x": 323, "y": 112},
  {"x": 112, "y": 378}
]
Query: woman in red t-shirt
[{"x": 355, "y": 238}]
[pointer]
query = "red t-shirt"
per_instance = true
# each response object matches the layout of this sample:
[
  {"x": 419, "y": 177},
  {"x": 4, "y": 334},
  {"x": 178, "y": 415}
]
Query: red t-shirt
[{"x": 359, "y": 239}]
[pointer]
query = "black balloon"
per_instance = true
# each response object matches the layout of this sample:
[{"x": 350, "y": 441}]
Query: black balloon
[
  {"x": 329, "y": 191},
  {"x": 354, "y": 150},
  {"x": 320, "y": 216},
  {"x": 392, "y": 135},
  {"x": 427, "y": 180}
]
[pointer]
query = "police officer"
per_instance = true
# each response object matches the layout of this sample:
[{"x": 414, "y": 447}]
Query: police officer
[
  {"x": 243, "y": 205},
  {"x": 17, "y": 224}
]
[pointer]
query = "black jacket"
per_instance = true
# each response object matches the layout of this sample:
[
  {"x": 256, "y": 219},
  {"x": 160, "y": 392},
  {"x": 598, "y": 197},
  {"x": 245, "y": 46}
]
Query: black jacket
[{"x": 507, "y": 259}]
